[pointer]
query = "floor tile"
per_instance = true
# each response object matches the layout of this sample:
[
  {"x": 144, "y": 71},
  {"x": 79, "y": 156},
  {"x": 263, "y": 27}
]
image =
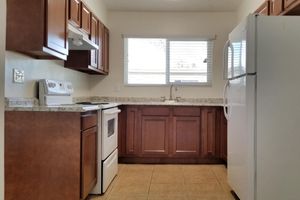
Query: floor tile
[
  {"x": 167, "y": 178},
  {"x": 130, "y": 189},
  {"x": 167, "y": 197},
  {"x": 220, "y": 172},
  {"x": 128, "y": 197},
  {"x": 166, "y": 189}
]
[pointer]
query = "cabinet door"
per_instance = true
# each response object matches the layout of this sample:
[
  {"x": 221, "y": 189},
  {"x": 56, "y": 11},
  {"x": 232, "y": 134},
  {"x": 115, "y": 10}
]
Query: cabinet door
[
  {"x": 101, "y": 47},
  {"x": 74, "y": 12},
  {"x": 94, "y": 37},
  {"x": 88, "y": 161},
  {"x": 223, "y": 136},
  {"x": 287, "y": 3},
  {"x": 85, "y": 23},
  {"x": 209, "y": 136},
  {"x": 56, "y": 26},
  {"x": 264, "y": 9},
  {"x": 106, "y": 51},
  {"x": 276, "y": 7},
  {"x": 186, "y": 136},
  {"x": 155, "y": 136},
  {"x": 132, "y": 133}
]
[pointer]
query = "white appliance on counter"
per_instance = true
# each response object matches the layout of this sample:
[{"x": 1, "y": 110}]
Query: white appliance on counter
[{"x": 263, "y": 112}]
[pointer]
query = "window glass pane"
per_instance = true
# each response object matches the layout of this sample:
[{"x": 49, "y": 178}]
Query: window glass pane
[
  {"x": 189, "y": 61},
  {"x": 146, "y": 62}
]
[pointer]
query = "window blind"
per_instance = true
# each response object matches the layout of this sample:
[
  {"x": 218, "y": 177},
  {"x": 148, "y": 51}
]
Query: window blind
[{"x": 154, "y": 61}]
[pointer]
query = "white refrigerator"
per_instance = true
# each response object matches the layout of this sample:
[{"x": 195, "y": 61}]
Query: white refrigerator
[{"x": 262, "y": 106}]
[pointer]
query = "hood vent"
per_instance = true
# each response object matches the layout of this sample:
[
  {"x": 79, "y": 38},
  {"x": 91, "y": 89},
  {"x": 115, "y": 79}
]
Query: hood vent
[{"x": 79, "y": 41}]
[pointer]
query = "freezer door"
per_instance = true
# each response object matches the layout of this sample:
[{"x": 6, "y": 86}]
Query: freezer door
[
  {"x": 239, "y": 51},
  {"x": 241, "y": 93}
]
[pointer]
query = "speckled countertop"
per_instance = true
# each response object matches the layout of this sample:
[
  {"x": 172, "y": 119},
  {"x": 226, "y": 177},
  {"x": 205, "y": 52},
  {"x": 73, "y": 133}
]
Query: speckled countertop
[{"x": 31, "y": 104}]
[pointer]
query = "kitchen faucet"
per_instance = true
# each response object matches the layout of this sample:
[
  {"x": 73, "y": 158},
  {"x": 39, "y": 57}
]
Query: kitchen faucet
[{"x": 171, "y": 92}]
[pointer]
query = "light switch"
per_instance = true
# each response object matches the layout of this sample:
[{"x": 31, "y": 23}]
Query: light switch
[{"x": 19, "y": 76}]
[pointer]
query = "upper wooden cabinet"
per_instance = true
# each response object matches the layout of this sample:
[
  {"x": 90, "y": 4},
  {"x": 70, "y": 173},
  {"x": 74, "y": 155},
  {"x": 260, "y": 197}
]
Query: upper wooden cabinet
[
  {"x": 86, "y": 16},
  {"x": 264, "y": 9},
  {"x": 37, "y": 28},
  {"x": 74, "y": 12},
  {"x": 276, "y": 7},
  {"x": 105, "y": 49}
]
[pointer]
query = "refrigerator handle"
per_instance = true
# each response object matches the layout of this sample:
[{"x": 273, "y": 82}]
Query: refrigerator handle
[
  {"x": 225, "y": 59},
  {"x": 225, "y": 104}
]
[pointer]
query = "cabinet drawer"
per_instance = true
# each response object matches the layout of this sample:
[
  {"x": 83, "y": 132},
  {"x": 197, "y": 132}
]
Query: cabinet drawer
[
  {"x": 187, "y": 111},
  {"x": 156, "y": 111},
  {"x": 88, "y": 120}
]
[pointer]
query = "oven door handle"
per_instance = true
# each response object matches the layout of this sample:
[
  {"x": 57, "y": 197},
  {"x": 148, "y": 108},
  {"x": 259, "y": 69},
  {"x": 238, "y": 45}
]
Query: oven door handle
[{"x": 112, "y": 112}]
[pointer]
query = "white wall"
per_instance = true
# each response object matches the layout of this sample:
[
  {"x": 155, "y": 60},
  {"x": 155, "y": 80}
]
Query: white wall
[
  {"x": 2, "y": 58},
  {"x": 163, "y": 24},
  {"x": 37, "y": 69},
  {"x": 97, "y": 6},
  {"x": 247, "y": 7}
]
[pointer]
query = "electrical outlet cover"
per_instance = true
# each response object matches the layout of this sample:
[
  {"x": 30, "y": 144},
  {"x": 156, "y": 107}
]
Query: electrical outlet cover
[{"x": 19, "y": 76}]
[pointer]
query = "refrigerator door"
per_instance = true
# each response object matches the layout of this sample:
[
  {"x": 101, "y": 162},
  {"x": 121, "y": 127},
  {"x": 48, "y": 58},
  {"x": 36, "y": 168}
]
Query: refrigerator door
[
  {"x": 241, "y": 100},
  {"x": 239, "y": 51}
]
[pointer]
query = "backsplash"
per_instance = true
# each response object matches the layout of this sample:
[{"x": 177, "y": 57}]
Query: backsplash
[{"x": 39, "y": 69}]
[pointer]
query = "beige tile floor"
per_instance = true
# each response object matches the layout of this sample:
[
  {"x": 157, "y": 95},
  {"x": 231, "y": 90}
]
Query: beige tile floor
[{"x": 168, "y": 182}]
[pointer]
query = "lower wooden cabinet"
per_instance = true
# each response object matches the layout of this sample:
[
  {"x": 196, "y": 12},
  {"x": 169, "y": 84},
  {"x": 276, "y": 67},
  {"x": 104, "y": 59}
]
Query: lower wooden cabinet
[
  {"x": 50, "y": 155},
  {"x": 172, "y": 134},
  {"x": 88, "y": 160},
  {"x": 209, "y": 136},
  {"x": 186, "y": 136},
  {"x": 155, "y": 135}
]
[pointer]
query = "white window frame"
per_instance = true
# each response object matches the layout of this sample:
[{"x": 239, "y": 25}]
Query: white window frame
[{"x": 168, "y": 39}]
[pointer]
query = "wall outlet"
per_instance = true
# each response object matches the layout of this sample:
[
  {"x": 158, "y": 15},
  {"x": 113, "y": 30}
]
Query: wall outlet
[{"x": 19, "y": 76}]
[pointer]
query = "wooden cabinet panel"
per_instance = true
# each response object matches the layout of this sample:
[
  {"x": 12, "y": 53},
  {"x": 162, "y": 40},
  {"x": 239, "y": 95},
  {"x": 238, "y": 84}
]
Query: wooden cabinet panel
[
  {"x": 132, "y": 131},
  {"x": 186, "y": 111},
  {"x": 265, "y": 8},
  {"x": 88, "y": 161},
  {"x": 155, "y": 135},
  {"x": 288, "y": 3},
  {"x": 209, "y": 136},
  {"x": 74, "y": 12},
  {"x": 155, "y": 111},
  {"x": 276, "y": 7},
  {"x": 101, "y": 47},
  {"x": 186, "y": 136},
  {"x": 42, "y": 155},
  {"x": 43, "y": 26},
  {"x": 57, "y": 26},
  {"x": 223, "y": 136},
  {"x": 94, "y": 37},
  {"x": 105, "y": 55},
  {"x": 171, "y": 134},
  {"x": 89, "y": 120},
  {"x": 85, "y": 23}
]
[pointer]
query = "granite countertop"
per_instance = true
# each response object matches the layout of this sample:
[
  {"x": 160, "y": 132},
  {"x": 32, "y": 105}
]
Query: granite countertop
[{"x": 31, "y": 104}]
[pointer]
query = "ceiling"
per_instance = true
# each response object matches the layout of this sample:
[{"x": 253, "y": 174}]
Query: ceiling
[{"x": 173, "y": 5}]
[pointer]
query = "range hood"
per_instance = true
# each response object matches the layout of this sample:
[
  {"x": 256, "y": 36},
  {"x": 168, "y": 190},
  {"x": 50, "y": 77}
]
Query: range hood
[{"x": 78, "y": 41}]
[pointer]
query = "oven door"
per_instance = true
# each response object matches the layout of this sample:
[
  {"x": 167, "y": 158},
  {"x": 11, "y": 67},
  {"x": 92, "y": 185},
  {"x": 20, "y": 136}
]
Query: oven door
[{"x": 109, "y": 131}]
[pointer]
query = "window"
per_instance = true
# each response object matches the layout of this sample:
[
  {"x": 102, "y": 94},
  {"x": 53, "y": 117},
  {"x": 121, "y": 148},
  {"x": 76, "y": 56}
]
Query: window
[{"x": 160, "y": 61}]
